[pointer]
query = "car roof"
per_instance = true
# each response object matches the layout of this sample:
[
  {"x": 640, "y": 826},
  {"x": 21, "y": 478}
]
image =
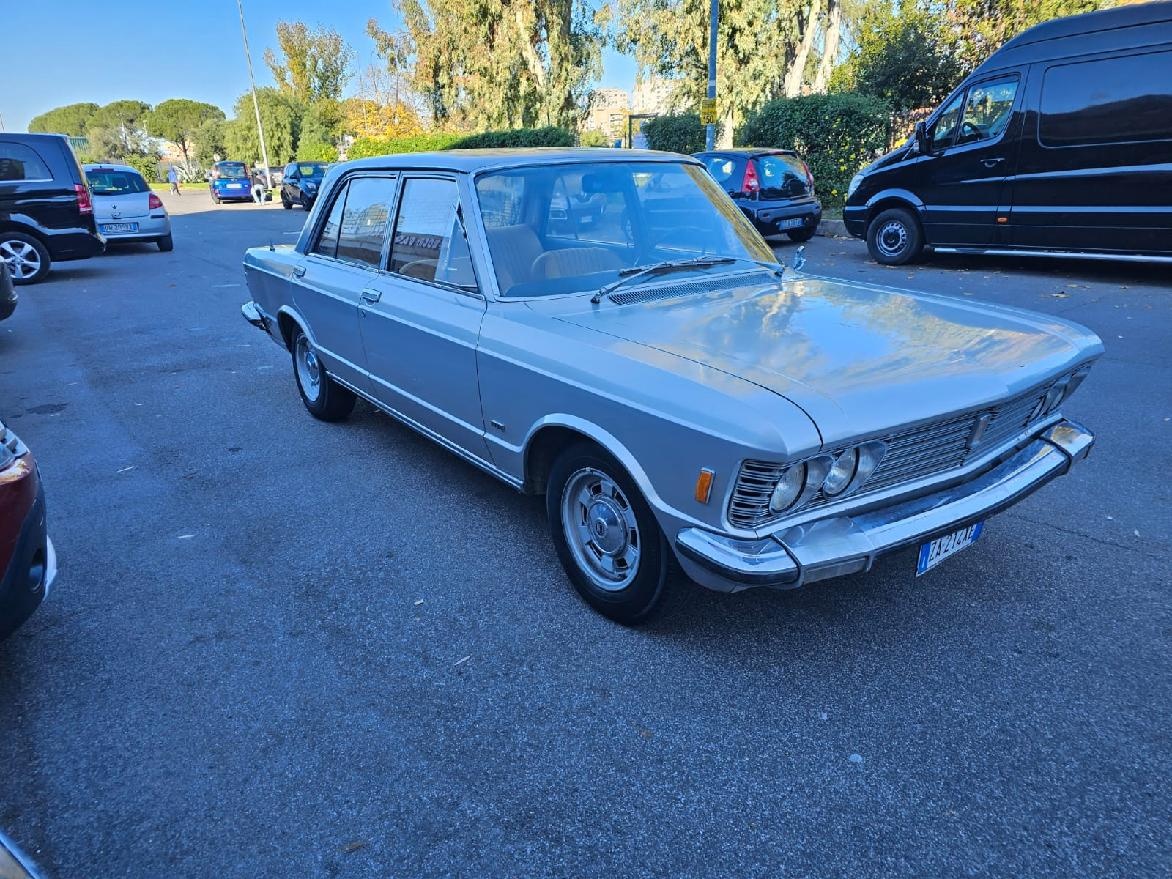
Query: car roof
[
  {"x": 106, "y": 166},
  {"x": 475, "y": 161},
  {"x": 747, "y": 151},
  {"x": 1090, "y": 22}
]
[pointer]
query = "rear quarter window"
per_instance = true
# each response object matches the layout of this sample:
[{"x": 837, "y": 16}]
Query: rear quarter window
[
  {"x": 1109, "y": 100},
  {"x": 19, "y": 162}
]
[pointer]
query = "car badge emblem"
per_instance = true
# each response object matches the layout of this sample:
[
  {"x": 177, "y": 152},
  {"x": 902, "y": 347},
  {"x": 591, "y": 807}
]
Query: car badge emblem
[{"x": 979, "y": 430}]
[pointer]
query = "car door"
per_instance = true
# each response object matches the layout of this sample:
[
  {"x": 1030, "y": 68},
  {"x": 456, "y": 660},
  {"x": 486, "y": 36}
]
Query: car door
[
  {"x": 973, "y": 144},
  {"x": 344, "y": 258},
  {"x": 1095, "y": 172},
  {"x": 420, "y": 320}
]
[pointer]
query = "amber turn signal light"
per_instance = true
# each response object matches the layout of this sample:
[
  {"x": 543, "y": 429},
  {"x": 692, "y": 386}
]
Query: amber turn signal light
[{"x": 704, "y": 485}]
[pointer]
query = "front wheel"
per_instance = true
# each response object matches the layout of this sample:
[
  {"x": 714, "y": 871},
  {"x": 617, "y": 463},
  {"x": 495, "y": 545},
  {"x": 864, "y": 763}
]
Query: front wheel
[
  {"x": 285, "y": 203},
  {"x": 306, "y": 202},
  {"x": 894, "y": 237},
  {"x": 801, "y": 234},
  {"x": 606, "y": 535},
  {"x": 322, "y": 396}
]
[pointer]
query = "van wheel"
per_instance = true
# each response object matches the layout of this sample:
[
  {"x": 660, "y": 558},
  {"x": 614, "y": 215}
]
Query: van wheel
[
  {"x": 322, "y": 396},
  {"x": 28, "y": 259},
  {"x": 894, "y": 237},
  {"x": 606, "y": 535}
]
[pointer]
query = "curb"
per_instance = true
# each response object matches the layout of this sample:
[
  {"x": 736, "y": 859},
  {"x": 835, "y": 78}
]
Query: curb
[{"x": 832, "y": 229}]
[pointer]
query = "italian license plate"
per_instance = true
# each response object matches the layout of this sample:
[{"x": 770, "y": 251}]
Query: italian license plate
[
  {"x": 935, "y": 551},
  {"x": 120, "y": 227},
  {"x": 235, "y": 185},
  {"x": 792, "y": 223}
]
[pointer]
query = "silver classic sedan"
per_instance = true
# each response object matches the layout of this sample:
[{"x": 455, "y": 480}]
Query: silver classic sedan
[{"x": 607, "y": 329}]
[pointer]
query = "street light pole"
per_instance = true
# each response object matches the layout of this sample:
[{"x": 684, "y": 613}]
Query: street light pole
[
  {"x": 713, "y": 15},
  {"x": 264, "y": 153}
]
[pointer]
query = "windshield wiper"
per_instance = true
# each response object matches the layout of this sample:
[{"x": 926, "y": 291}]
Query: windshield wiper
[{"x": 659, "y": 268}]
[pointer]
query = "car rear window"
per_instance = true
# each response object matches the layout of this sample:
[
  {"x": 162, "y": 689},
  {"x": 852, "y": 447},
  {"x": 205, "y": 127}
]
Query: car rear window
[
  {"x": 115, "y": 182},
  {"x": 782, "y": 177},
  {"x": 18, "y": 162},
  {"x": 726, "y": 170},
  {"x": 233, "y": 171}
]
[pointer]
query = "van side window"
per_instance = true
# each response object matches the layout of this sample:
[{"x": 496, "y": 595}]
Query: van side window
[
  {"x": 1112, "y": 100},
  {"x": 946, "y": 123},
  {"x": 327, "y": 241},
  {"x": 987, "y": 111},
  {"x": 18, "y": 162}
]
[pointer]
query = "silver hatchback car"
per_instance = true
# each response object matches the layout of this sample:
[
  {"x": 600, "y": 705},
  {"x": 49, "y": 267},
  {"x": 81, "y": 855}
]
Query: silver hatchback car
[
  {"x": 606, "y": 328},
  {"x": 126, "y": 209}
]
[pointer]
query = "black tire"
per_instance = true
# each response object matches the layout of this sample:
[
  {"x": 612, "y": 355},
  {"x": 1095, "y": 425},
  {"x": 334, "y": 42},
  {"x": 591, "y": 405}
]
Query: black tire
[
  {"x": 306, "y": 202},
  {"x": 894, "y": 237},
  {"x": 215, "y": 198},
  {"x": 285, "y": 203},
  {"x": 329, "y": 401},
  {"x": 166, "y": 243},
  {"x": 642, "y": 595},
  {"x": 800, "y": 235},
  {"x": 27, "y": 257}
]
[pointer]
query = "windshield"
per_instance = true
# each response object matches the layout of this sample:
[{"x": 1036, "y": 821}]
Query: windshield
[
  {"x": 574, "y": 228},
  {"x": 231, "y": 170},
  {"x": 115, "y": 182},
  {"x": 311, "y": 169}
]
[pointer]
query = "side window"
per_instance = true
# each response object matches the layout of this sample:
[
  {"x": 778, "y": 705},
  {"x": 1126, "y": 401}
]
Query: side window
[
  {"x": 502, "y": 199},
  {"x": 1112, "y": 100},
  {"x": 987, "y": 111},
  {"x": 364, "y": 221},
  {"x": 18, "y": 162},
  {"x": 327, "y": 241},
  {"x": 289, "y": 169},
  {"x": 946, "y": 123},
  {"x": 429, "y": 242}
]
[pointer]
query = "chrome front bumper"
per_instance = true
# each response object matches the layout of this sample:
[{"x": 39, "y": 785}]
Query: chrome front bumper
[{"x": 848, "y": 544}]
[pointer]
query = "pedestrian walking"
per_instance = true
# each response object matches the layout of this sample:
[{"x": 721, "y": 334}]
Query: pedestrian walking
[{"x": 173, "y": 179}]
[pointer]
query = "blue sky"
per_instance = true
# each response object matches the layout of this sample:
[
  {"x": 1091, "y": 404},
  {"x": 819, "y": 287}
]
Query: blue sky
[{"x": 151, "y": 51}]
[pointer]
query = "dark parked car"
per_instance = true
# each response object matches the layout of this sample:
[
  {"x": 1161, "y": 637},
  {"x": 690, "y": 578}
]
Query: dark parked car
[
  {"x": 8, "y": 296},
  {"x": 1057, "y": 144},
  {"x": 46, "y": 213},
  {"x": 300, "y": 182},
  {"x": 26, "y": 553},
  {"x": 774, "y": 189}
]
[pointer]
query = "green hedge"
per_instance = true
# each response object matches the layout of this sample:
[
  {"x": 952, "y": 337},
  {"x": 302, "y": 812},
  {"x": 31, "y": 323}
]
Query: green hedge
[
  {"x": 836, "y": 134},
  {"x": 676, "y": 133},
  {"x": 364, "y": 147},
  {"x": 550, "y": 136}
]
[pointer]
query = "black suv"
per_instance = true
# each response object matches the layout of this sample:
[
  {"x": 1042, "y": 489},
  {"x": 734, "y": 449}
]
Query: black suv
[
  {"x": 773, "y": 188},
  {"x": 46, "y": 212}
]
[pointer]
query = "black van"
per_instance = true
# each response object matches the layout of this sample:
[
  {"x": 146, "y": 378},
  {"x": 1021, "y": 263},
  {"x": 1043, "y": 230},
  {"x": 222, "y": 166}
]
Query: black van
[
  {"x": 1060, "y": 143},
  {"x": 46, "y": 212}
]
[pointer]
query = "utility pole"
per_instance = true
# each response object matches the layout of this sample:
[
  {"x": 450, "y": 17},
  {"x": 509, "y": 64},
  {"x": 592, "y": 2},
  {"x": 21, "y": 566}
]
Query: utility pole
[
  {"x": 714, "y": 15},
  {"x": 264, "y": 153}
]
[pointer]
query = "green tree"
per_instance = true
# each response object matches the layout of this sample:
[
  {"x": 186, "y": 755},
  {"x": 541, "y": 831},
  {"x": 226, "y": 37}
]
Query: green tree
[
  {"x": 983, "y": 25},
  {"x": 124, "y": 125},
  {"x": 496, "y": 63},
  {"x": 314, "y": 63},
  {"x": 178, "y": 119},
  {"x": 208, "y": 140},
  {"x": 281, "y": 117},
  {"x": 71, "y": 119},
  {"x": 907, "y": 55}
]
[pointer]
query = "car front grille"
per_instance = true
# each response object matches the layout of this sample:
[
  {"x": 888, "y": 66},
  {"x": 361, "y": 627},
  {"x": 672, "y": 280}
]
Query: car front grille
[{"x": 913, "y": 454}]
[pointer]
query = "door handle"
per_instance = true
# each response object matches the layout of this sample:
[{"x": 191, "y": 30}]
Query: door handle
[
  {"x": 992, "y": 163},
  {"x": 299, "y": 271},
  {"x": 371, "y": 296}
]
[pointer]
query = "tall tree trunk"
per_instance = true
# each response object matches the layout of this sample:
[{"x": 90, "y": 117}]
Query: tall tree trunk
[
  {"x": 830, "y": 41},
  {"x": 793, "y": 78}
]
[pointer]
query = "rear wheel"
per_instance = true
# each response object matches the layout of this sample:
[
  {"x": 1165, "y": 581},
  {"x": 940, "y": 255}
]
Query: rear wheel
[
  {"x": 215, "y": 198},
  {"x": 894, "y": 237},
  {"x": 166, "y": 243},
  {"x": 606, "y": 535},
  {"x": 27, "y": 258},
  {"x": 322, "y": 396}
]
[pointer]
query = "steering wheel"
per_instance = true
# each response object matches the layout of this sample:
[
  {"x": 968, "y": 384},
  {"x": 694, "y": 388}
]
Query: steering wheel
[{"x": 971, "y": 131}]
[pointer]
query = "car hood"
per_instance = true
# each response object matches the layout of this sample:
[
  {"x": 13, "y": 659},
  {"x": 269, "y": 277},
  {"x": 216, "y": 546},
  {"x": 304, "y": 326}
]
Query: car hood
[{"x": 859, "y": 359}]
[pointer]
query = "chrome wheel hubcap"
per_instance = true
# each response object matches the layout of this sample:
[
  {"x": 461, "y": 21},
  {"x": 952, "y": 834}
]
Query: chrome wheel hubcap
[
  {"x": 892, "y": 238},
  {"x": 22, "y": 258},
  {"x": 308, "y": 370},
  {"x": 600, "y": 529}
]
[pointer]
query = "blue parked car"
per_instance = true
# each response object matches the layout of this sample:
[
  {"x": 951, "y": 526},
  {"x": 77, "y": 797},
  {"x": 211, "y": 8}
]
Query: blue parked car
[{"x": 230, "y": 182}]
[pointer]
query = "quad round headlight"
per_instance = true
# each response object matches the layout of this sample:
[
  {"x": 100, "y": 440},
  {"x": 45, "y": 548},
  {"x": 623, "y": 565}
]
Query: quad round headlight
[
  {"x": 789, "y": 488},
  {"x": 841, "y": 472}
]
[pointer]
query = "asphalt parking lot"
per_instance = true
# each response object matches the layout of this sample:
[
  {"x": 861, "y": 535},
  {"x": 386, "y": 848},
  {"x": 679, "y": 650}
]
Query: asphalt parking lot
[{"x": 279, "y": 647}]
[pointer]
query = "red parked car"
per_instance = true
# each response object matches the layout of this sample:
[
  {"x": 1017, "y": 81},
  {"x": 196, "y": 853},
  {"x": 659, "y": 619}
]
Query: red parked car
[{"x": 26, "y": 553}]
